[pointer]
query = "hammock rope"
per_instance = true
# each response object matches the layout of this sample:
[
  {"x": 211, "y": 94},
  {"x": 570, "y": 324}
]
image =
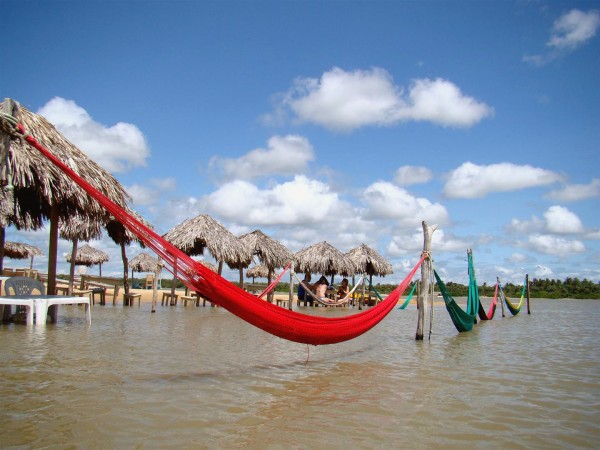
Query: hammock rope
[
  {"x": 274, "y": 283},
  {"x": 281, "y": 322}
]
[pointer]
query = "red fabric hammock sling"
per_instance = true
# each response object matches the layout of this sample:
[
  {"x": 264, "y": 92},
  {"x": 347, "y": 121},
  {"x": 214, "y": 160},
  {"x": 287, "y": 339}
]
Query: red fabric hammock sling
[{"x": 273, "y": 319}]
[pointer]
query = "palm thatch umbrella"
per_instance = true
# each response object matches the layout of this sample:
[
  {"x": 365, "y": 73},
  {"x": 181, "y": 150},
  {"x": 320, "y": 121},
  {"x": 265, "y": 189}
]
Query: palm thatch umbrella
[
  {"x": 18, "y": 250},
  {"x": 89, "y": 256},
  {"x": 10, "y": 215},
  {"x": 270, "y": 252},
  {"x": 123, "y": 237},
  {"x": 75, "y": 229},
  {"x": 143, "y": 262},
  {"x": 40, "y": 189},
  {"x": 368, "y": 261},
  {"x": 325, "y": 259},
  {"x": 210, "y": 265},
  {"x": 194, "y": 235},
  {"x": 258, "y": 271}
]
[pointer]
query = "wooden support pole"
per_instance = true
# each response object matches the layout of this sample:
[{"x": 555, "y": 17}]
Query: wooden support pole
[
  {"x": 527, "y": 282},
  {"x": 52, "y": 254},
  {"x": 501, "y": 297},
  {"x": 291, "y": 296},
  {"x": 423, "y": 298}
]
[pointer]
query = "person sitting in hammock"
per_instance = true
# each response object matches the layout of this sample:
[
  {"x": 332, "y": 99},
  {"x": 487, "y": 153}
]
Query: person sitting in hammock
[
  {"x": 343, "y": 289},
  {"x": 320, "y": 288},
  {"x": 302, "y": 295}
]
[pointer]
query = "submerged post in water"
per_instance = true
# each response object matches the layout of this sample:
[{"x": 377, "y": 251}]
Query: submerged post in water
[{"x": 422, "y": 299}]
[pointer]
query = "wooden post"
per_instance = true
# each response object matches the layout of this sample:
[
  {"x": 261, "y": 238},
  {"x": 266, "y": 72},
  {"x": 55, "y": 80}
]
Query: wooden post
[
  {"x": 271, "y": 293},
  {"x": 422, "y": 299},
  {"x": 9, "y": 107},
  {"x": 157, "y": 272},
  {"x": 72, "y": 268},
  {"x": 527, "y": 281},
  {"x": 125, "y": 271},
  {"x": 242, "y": 278},
  {"x": 291, "y": 287},
  {"x": 52, "y": 253},
  {"x": 501, "y": 299}
]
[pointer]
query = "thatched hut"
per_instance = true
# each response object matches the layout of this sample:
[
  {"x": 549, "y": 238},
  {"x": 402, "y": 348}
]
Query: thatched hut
[
  {"x": 323, "y": 258},
  {"x": 143, "y": 262},
  {"x": 193, "y": 236},
  {"x": 40, "y": 189},
  {"x": 368, "y": 261},
  {"x": 18, "y": 250},
  {"x": 76, "y": 229},
  {"x": 123, "y": 237},
  {"x": 258, "y": 271},
  {"x": 89, "y": 256},
  {"x": 269, "y": 252}
]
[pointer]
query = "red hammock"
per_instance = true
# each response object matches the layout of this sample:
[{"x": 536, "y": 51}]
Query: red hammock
[{"x": 273, "y": 319}]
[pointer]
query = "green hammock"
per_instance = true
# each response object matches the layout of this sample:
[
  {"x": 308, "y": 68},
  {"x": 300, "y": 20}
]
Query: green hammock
[
  {"x": 408, "y": 299},
  {"x": 463, "y": 320}
]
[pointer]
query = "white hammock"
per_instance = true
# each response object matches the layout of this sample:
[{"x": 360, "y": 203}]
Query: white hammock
[{"x": 327, "y": 302}]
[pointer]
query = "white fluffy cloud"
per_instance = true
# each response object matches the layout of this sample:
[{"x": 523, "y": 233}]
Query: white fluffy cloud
[
  {"x": 117, "y": 148},
  {"x": 150, "y": 194},
  {"x": 300, "y": 201},
  {"x": 569, "y": 32},
  {"x": 574, "y": 28},
  {"x": 343, "y": 101},
  {"x": 553, "y": 245},
  {"x": 557, "y": 220},
  {"x": 284, "y": 155},
  {"x": 473, "y": 181},
  {"x": 560, "y": 220},
  {"x": 407, "y": 175},
  {"x": 384, "y": 200},
  {"x": 575, "y": 192}
]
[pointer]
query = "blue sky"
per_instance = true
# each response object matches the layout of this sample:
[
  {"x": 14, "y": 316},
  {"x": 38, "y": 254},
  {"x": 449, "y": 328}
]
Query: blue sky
[{"x": 341, "y": 121}]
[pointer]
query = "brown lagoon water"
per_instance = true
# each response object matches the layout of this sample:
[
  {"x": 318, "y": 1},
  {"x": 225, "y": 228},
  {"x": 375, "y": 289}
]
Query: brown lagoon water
[{"x": 202, "y": 378}]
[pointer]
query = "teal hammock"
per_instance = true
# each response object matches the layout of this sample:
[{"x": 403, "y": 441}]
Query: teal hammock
[
  {"x": 463, "y": 320},
  {"x": 406, "y": 302},
  {"x": 409, "y": 298}
]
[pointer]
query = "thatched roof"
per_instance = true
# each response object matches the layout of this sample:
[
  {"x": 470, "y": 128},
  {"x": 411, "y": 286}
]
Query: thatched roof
[
  {"x": 14, "y": 214},
  {"x": 81, "y": 228},
  {"x": 121, "y": 235},
  {"x": 270, "y": 252},
  {"x": 18, "y": 250},
  {"x": 144, "y": 263},
  {"x": 38, "y": 184},
  {"x": 323, "y": 258},
  {"x": 209, "y": 265},
  {"x": 88, "y": 256},
  {"x": 259, "y": 271},
  {"x": 192, "y": 236},
  {"x": 368, "y": 261}
]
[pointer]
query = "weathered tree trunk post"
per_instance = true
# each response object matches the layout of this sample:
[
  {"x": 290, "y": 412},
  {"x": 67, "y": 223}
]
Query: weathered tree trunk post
[
  {"x": 527, "y": 281},
  {"x": 157, "y": 272},
  {"x": 125, "y": 271},
  {"x": 291, "y": 288},
  {"x": 271, "y": 294},
  {"x": 72, "y": 268},
  {"x": 241, "y": 278},
  {"x": 501, "y": 298},
  {"x": 52, "y": 253},
  {"x": 423, "y": 298}
]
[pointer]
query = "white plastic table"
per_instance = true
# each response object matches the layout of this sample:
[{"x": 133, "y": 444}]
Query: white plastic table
[{"x": 40, "y": 304}]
